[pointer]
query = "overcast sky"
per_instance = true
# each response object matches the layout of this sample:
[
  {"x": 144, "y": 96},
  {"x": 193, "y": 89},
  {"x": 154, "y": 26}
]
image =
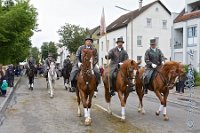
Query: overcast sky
[{"x": 87, "y": 13}]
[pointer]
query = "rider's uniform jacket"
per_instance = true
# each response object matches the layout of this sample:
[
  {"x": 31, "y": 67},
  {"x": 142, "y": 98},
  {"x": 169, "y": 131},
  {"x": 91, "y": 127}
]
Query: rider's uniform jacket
[{"x": 153, "y": 56}]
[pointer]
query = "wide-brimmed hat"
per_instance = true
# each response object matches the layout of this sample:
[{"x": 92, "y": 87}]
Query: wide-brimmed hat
[
  {"x": 152, "y": 41},
  {"x": 89, "y": 39},
  {"x": 120, "y": 40}
]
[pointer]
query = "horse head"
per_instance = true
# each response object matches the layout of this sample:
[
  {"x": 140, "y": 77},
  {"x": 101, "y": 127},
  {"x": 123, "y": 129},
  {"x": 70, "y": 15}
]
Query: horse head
[
  {"x": 130, "y": 69},
  {"x": 88, "y": 61},
  {"x": 172, "y": 71},
  {"x": 52, "y": 70}
]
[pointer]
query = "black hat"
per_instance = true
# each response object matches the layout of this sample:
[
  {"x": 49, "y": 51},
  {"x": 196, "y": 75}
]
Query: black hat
[
  {"x": 120, "y": 40},
  {"x": 89, "y": 39},
  {"x": 152, "y": 41}
]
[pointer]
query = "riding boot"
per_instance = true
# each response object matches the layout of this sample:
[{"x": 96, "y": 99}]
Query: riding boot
[
  {"x": 112, "y": 87},
  {"x": 131, "y": 87},
  {"x": 145, "y": 89},
  {"x": 73, "y": 84}
]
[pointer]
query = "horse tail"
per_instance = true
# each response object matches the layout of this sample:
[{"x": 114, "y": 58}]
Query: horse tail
[{"x": 106, "y": 86}]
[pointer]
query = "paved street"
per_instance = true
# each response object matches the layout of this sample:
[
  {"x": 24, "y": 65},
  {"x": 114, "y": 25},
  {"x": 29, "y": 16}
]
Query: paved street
[{"x": 34, "y": 112}]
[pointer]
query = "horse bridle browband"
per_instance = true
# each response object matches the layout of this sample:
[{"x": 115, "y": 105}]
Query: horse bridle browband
[{"x": 127, "y": 79}]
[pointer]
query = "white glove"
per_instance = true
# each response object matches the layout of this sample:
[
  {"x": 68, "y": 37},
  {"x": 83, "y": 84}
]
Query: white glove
[
  {"x": 47, "y": 68},
  {"x": 163, "y": 62},
  {"x": 120, "y": 63},
  {"x": 154, "y": 65},
  {"x": 79, "y": 64}
]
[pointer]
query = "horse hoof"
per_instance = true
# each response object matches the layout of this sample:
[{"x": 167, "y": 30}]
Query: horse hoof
[
  {"x": 88, "y": 121},
  {"x": 143, "y": 112},
  {"x": 123, "y": 118},
  {"x": 157, "y": 113},
  {"x": 139, "y": 110},
  {"x": 79, "y": 115},
  {"x": 166, "y": 118}
]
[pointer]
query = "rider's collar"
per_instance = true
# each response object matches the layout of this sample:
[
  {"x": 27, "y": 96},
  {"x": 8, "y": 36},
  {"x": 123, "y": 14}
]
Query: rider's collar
[{"x": 154, "y": 49}]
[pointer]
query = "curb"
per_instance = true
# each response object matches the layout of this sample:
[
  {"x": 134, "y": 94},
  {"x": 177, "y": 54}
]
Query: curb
[{"x": 4, "y": 104}]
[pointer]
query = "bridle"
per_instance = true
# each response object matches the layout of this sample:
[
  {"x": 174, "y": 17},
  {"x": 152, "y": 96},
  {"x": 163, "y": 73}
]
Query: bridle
[
  {"x": 168, "y": 82},
  {"x": 130, "y": 75}
]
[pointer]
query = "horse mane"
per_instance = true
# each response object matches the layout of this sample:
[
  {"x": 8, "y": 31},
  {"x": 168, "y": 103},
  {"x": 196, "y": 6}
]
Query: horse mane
[{"x": 169, "y": 66}]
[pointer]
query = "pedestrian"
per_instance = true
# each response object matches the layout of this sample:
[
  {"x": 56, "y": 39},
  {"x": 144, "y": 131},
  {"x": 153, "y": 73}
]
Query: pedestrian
[
  {"x": 117, "y": 55},
  {"x": 180, "y": 85},
  {"x": 153, "y": 58},
  {"x": 4, "y": 87},
  {"x": 10, "y": 75},
  {"x": 2, "y": 77}
]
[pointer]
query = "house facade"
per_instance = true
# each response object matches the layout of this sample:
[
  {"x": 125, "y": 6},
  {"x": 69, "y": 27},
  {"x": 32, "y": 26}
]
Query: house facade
[
  {"x": 186, "y": 35},
  {"x": 137, "y": 28}
]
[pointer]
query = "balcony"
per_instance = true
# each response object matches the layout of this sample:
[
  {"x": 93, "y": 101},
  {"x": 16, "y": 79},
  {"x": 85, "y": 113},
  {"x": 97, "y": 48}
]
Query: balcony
[{"x": 178, "y": 45}]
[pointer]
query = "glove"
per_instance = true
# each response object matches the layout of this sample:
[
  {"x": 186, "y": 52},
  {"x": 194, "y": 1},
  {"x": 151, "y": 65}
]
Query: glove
[
  {"x": 47, "y": 68},
  {"x": 120, "y": 63},
  {"x": 79, "y": 64},
  {"x": 163, "y": 62},
  {"x": 154, "y": 65}
]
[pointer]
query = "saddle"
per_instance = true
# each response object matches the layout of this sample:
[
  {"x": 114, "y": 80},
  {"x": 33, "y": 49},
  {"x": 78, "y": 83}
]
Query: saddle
[{"x": 148, "y": 76}]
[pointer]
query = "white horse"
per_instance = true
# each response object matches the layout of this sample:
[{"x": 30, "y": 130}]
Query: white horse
[{"x": 51, "y": 79}]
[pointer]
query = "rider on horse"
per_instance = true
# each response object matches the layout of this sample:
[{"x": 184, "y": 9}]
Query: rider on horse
[
  {"x": 66, "y": 61},
  {"x": 47, "y": 63},
  {"x": 153, "y": 58},
  {"x": 117, "y": 56},
  {"x": 31, "y": 62},
  {"x": 76, "y": 67}
]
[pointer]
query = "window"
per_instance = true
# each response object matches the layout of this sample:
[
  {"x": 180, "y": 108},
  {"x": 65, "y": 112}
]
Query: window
[
  {"x": 192, "y": 32},
  {"x": 157, "y": 41},
  {"x": 149, "y": 23},
  {"x": 164, "y": 23},
  {"x": 139, "y": 58},
  {"x": 139, "y": 41},
  {"x": 101, "y": 46},
  {"x": 114, "y": 42},
  {"x": 157, "y": 9}
]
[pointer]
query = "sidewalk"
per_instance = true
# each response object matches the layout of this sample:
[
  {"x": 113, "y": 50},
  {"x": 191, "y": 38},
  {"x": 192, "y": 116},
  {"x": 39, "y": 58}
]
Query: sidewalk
[
  {"x": 5, "y": 100},
  {"x": 181, "y": 99}
]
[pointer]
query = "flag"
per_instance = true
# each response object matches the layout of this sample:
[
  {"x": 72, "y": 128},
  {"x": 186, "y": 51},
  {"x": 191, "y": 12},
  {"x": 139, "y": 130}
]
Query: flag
[{"x": 103, "y": 24}]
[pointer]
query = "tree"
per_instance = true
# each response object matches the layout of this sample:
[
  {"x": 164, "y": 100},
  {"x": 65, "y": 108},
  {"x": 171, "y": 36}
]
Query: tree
[
  {"x": 72, "y": 36},
  {"x": 48, "y": 47},
  {"x": 35, "y": 53},
  {"x": 15, "y": 34}
]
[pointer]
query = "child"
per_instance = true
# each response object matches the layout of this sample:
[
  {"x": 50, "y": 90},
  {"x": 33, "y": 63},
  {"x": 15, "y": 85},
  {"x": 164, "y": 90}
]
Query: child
[{"x": 4, "y": 87}]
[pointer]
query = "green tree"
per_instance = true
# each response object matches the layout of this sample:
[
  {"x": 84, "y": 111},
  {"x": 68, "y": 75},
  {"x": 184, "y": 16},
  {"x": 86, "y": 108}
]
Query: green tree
[
  {"x": 48, "y": 47},
  {"x": 72, "y": 36},
  {"x": 17, "y": 23},
  {"x": 35, "y": 53}
]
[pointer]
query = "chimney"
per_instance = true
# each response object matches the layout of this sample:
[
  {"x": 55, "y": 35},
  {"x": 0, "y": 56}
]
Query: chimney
[{"x": 140, "y": 4}]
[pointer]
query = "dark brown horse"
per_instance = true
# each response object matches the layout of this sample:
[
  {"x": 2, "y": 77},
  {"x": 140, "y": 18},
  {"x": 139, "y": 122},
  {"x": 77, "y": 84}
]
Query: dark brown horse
[
  {"x": 86, "y": 84},
  {"x": 125, "y": 75},
  {"x": 165, "y": 78}
]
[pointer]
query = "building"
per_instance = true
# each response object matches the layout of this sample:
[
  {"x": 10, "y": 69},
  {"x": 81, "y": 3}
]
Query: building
[
  {"x": 186, "y": 35},
  {"x": 137, "y": 27},
  {"x": 94, "y": 34},
  {"x": 62, "y": 55}
]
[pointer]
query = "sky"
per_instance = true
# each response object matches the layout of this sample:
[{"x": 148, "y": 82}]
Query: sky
[{"x": 53, "y": 14}]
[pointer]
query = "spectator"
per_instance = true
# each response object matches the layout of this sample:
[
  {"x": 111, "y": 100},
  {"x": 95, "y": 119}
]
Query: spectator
[
  {"x": 180, "y": 84},
  {"x": 2, "y": 77},
  {"x": 4, "y": 87},
  {"x": 10, "y": 75}
]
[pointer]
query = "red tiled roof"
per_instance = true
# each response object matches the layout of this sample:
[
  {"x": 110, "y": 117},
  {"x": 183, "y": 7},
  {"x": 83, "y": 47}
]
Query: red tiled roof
[{"x": 186, "y": 16}]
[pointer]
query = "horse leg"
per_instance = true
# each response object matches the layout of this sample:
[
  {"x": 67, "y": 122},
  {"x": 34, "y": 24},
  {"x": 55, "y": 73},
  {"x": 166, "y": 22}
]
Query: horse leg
[
  {"x": 121, "y": 98},
  {"x": 78, "y": 100},
  {"x": 166, "y": 118},
  {"x": 88, "y": 120},
  {"x": 140, "y": 94},
  {"x": 161, "y": 102},
  {"x": 108, "y": 97}
]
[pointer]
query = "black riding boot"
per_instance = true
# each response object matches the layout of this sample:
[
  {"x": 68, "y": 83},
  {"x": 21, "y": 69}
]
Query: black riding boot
[
  {"x": 112, "y": 87},
  {"x": 145, "y": 89},
  {"x": 73, "y": 84}
]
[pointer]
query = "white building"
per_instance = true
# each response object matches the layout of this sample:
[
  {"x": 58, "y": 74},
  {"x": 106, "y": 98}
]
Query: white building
[
  {"x": 186, "y": 35},
  {"x": 137, "y": 28},
  {"x": 62, "y": 55}
]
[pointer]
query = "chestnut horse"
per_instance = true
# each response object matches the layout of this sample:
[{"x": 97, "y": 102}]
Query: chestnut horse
[
  {"x": 86, "y": 84},
  {"x": 125, "y": 75},
  {"x": 165, "y": 78}
]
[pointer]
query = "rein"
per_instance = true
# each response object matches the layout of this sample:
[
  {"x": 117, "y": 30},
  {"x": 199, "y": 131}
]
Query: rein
[{"x": 166, "y": 82}]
